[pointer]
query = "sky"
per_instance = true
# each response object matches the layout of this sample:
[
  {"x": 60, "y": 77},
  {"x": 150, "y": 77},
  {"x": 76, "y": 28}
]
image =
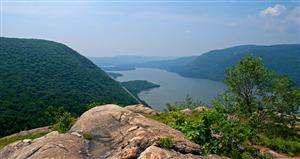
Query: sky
[{"x": 152, "y": 27}]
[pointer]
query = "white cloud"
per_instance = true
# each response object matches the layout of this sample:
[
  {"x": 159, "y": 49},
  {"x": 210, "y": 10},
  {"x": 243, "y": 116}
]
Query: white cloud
[
  {"x": 294, "y": 15},
  {"x": 273, "y": 11}
]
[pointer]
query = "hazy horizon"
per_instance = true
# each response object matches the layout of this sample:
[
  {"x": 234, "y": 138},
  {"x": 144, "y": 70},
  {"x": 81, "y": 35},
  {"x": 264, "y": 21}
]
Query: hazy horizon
[
  {"x": 152, "y": 28},
  {"x": 178, "y": 56}
]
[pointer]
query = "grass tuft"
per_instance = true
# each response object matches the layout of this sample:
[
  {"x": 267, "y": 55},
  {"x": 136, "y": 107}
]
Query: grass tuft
[{"x": 165, "y": 142}]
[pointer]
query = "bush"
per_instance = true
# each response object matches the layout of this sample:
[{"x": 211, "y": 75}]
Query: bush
[
  {"x": 165, "y": 142},
  {"x": 210, "y": 129},
  {"x": 226, "y": 134},
  {"x": 64, "y": 123}
]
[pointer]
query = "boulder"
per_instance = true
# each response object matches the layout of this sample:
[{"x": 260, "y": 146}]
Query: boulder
[
  {"x": 201, "y": 109},
  {"x": 126, "y": 134},
  {"x": 187, "y": 111},
  {"x": 142, "y": 110}
]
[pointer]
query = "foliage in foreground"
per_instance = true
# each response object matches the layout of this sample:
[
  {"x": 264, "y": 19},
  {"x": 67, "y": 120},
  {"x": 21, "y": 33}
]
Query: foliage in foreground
[
  {"x": 259, "y": 108},
  {"x": 62, "y": 120},
  {"x": 64, "y": 123}
]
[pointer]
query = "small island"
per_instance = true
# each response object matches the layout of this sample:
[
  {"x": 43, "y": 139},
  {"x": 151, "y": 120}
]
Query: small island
[
  {"x": 118, "y": 68},
  {"x": 137, "y": 86},
  {"x": 114, "y": 75}
]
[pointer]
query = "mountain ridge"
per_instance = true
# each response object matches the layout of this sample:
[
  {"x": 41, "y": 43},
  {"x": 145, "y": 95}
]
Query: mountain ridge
[{"x": 282, "y": 58}]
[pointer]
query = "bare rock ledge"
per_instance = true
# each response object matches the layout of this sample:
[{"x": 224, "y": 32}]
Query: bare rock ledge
[{"x": 117, "y": 133}]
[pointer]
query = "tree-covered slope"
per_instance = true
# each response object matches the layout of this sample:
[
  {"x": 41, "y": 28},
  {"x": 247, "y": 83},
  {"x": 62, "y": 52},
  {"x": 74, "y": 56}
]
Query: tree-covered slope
[
  {"x": 35, "y": 74},
  {"x": 283, "y": 59}
]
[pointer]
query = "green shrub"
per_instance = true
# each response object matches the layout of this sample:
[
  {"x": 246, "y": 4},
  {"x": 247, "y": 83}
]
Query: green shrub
[
  {"x": 165, "y": 142},
  {"x": 87, "y": 136},
  {"x": 171, "y": 107},
  {"x": 218, "y": 133},
  {"x": 64, "y": 123}
]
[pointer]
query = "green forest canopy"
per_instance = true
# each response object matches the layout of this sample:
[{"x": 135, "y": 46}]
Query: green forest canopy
[{"x": 36, "y": 74}]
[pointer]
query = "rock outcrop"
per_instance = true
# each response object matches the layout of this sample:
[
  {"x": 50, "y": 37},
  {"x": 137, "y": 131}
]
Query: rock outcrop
[
  {"x": 189, "y": 111},
  {"x": 142, "y": 110},
  {"x": 116, "y": 133},
  {"x": 53, "y": 145}
]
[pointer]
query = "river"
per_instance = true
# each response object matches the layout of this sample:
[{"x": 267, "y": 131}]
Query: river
[{"x": 173, "y": 87}]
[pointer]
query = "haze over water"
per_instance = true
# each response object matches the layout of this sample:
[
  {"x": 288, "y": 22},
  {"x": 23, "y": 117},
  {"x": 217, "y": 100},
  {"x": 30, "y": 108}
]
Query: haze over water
[{"x": 173, "y": 87}]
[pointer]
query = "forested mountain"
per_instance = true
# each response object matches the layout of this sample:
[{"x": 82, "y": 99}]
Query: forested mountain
[
  {"x": 284, "y": 59},
  {"x": 36, "y": 74}
]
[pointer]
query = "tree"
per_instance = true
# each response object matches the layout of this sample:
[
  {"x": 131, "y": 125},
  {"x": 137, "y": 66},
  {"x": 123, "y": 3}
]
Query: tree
[
  {"x": 283, "y": 101},
  {"x": 247, "y": 81},
  {"x": 254, "y": 90},
  {"x": 64, "y": 123}
]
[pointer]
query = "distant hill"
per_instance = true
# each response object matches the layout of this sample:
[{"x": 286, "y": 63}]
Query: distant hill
[
  {"x": 167, "y": 64},
  {"x": 284, "y": 59},
  {"x": 36, "y": 74},
  {"x": 126, "y": 60},
  {"x": 170, "y": 65}
]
